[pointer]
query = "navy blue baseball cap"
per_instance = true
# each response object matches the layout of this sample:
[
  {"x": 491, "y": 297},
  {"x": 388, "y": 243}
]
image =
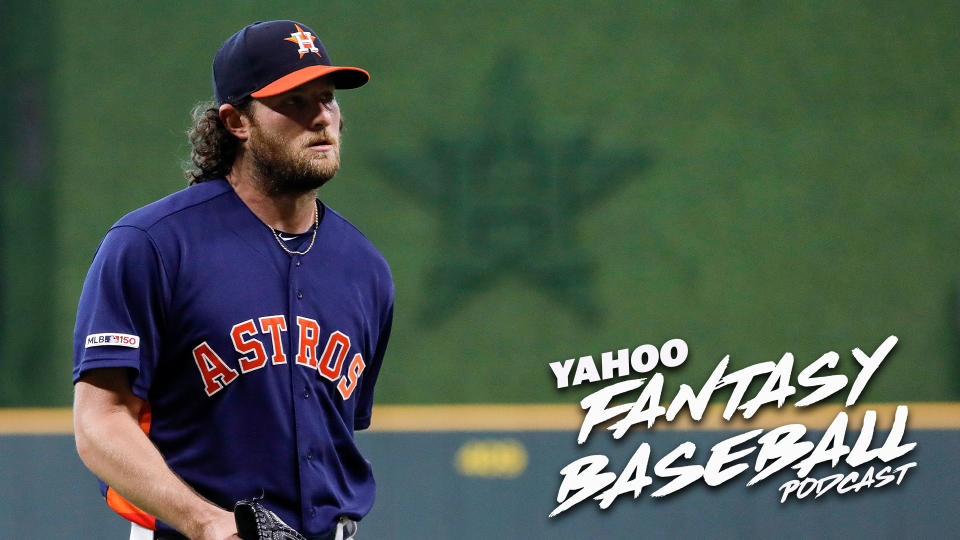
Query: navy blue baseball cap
[{"x": 268, "y": 58}]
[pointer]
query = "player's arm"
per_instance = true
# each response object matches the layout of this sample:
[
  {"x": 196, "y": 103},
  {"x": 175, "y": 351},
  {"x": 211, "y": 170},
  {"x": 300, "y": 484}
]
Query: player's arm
[{"x": 112, "y": 445}]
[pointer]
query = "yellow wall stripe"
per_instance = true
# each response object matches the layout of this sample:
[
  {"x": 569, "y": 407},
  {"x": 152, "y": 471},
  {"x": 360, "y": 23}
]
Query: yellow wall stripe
[
  {"x": 35, "y": 421},
  {"x": 560, "y": 417},
  {"x": 569, "y": 417}
]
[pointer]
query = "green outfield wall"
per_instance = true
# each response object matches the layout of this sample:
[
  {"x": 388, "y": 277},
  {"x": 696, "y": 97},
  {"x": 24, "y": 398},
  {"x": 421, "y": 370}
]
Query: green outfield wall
[
  {"x": 422, "y": 492},
  {"x": 548, "y": 180}
]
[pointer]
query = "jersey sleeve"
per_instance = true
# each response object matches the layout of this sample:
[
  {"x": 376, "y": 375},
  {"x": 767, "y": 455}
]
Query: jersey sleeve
[
  {"x": 364, "y": 410},
  {"x": 121, "y": 309}
]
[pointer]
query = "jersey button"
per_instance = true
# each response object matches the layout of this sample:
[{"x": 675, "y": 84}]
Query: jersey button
[
  {"x": 306, "y": 394},
  {"x": 298, "y": 262},
  {"x": 299, "y": 294}
]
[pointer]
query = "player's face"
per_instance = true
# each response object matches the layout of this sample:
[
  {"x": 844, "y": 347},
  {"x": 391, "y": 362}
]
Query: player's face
[{"x": 295, "y": 138}]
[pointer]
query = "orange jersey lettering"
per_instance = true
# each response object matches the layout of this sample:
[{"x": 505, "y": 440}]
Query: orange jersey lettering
[
  {"x": 274, "y": 325},
  {"x": 338, "y": 344},
  {"x": 309, "y": 339},
  {"x": 247, "y": 346},
  {"x": 348, "y": 384},
  {"x": 216, "y": 375}
]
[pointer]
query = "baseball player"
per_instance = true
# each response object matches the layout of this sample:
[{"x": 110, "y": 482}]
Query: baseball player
[{"x": 229, "y": 336}]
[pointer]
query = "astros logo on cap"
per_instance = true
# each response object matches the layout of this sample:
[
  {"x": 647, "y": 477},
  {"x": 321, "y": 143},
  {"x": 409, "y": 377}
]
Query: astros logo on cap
[{"x": 304, "y": 40}]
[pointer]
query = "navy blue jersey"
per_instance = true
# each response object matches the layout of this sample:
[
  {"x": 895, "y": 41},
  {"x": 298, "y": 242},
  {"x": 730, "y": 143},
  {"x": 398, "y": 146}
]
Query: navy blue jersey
[{"x": 256, "y": 365}]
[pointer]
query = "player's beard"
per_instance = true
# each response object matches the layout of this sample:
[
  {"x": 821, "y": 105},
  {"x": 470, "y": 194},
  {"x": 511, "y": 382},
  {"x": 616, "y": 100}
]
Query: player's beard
[{"x": 288, "y": 168}]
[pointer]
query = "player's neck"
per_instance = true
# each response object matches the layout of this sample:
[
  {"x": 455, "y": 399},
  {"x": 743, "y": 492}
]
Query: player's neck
[{"x": 291, "y": 213}]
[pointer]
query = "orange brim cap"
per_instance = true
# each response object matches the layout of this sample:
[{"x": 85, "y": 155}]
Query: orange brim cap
[{"x": 342, "y": 78}]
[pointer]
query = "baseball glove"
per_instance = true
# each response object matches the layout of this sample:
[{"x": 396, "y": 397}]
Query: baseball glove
[{"x": 256, "y": 522}]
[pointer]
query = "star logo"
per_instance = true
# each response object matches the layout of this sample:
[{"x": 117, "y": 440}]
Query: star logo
[
  {"x": 509, "y": 198},
  {"x": 304, "y": 40}
]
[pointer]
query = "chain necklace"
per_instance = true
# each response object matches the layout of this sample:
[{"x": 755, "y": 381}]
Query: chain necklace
[{"x": 316, "y": 225}]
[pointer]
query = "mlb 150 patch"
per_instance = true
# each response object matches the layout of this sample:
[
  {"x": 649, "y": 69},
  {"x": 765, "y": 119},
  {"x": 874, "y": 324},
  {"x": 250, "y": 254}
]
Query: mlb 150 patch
[{"x": 119, "y": 340}]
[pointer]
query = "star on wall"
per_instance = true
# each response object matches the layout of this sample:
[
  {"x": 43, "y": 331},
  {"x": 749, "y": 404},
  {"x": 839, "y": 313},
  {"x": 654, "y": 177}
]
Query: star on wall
[{"x": 509, "y": 198}]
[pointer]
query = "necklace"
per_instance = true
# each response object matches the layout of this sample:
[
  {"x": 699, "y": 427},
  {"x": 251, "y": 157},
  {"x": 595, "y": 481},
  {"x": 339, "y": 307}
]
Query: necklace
[{"x": 316, "y": 225}]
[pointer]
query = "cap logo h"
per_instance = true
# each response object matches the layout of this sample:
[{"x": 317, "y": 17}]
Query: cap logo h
[{"x": 304, "y": 40}]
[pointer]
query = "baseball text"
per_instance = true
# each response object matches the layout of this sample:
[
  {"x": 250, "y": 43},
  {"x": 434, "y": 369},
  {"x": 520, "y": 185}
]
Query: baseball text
[{"x": 774, "y": 451}]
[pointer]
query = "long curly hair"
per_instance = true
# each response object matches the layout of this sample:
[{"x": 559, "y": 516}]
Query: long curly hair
[{"x": 214, "y": 148}]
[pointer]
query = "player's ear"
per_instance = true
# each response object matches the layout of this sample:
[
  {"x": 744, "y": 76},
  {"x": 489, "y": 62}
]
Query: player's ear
[{"x": 235, "y": 121}]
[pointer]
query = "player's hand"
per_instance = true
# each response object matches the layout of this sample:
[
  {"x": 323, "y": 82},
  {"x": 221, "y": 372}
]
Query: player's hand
[{"x": 222, "y": 527}]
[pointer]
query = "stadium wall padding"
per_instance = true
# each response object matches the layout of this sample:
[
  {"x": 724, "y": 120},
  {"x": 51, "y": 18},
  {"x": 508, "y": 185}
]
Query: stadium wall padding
[{"x": 423, "y": 493}]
